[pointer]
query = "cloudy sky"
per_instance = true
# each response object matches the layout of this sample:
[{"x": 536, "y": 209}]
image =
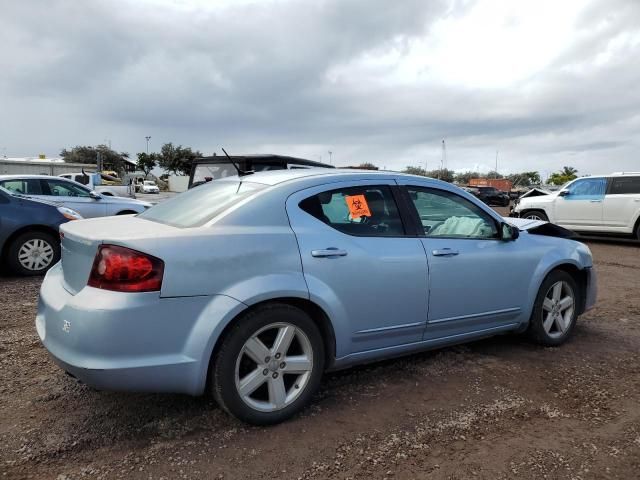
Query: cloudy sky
[{"x": 545, "y": 83}]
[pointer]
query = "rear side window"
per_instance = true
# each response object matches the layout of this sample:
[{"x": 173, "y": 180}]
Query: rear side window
[
  {"x": 368, "y": 211},
  {"x": 195, "y": 207},
  {"x": 27, "y": 186},
  {"x": 624, "y": 185}
]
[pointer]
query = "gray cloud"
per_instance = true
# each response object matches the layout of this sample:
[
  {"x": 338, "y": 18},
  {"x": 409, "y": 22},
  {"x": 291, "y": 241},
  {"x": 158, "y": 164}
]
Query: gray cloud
[{"x": 258, "y": 76}]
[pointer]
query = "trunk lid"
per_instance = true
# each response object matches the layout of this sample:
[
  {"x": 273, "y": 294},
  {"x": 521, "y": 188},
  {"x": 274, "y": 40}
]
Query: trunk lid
[{"x": 80, "y": 240}]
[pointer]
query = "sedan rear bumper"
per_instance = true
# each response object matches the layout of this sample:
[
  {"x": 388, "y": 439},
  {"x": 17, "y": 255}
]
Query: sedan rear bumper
[{"x": 126, "y": 341}]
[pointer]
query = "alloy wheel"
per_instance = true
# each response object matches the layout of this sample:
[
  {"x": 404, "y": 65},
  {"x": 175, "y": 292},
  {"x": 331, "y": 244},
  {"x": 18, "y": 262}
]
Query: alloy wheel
[
  {"x": 533, "y": 216},
  {"x": 557, "y": 309},
  {"x": 35, "y": 254},
  {"x": 273, "y": 367}
]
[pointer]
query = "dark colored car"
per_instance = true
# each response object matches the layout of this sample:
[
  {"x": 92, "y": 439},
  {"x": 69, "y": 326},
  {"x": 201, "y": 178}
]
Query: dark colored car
[
  {"x": 206, "y": 169},
  {"x": 492, "y": 196},
  {"x": 29, "y": 239}
]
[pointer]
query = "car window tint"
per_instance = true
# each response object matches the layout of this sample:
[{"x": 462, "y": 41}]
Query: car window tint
[
  {"x": 445, "y": 214},
  {"x": 587, "y": 188},
  {"x": 59, "y": 188},
  {"x": 197, "y": 206},
  {"x": 27, "y": 186},
  {"x": 625, "y": 185},
  {"x": 367, "y": 211}
]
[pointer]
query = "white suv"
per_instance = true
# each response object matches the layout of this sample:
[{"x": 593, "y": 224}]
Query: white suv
[{"x": 608, "y": 204}]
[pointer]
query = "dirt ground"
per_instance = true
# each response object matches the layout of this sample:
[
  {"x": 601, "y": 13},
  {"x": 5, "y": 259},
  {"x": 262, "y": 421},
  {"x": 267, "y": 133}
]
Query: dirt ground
[{"x": 496, "y": 409}]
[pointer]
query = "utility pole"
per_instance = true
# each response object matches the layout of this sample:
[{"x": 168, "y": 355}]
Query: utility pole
[
  {"x": 443, "y": 160},
  {"x": 496, "y": 170},
  {"x": 148, "y": 138},
  {"x": 330, "y": 153}
]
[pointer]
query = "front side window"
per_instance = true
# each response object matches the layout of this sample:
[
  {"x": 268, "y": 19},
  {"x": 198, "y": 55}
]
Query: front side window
[
  {"x": 587, "y": 189},
  {"x": 445, "y": 214},
  {"x": 27, "y": 186},
  {"x": 625, "y": 185},
  {"x": 58, "y": 188},
  {"x": 195, "y": 207},
  {"x": 368, "y": 211}
]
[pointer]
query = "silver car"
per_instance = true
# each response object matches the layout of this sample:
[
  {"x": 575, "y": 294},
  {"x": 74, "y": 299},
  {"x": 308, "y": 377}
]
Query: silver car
[
  {"x": 72, "y": 195},
  {"x": 251, "y": 287}
]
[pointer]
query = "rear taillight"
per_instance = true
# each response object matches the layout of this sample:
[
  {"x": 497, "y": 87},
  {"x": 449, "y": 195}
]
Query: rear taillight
[{"x": 122, "y": 269}]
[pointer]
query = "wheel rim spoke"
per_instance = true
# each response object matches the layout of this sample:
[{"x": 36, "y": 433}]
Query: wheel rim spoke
[
  {"x": 283, "y": 340},
  {"x": 557, "y": 291},
  {"x": 297, "y": 364},
  {"x": 565, "y": 303},
  {"x": 256, "y": 350},
  {"x": 277, "y": 392},
  {"x": 548, "y": 322},
  {"x": 547, "y": 305},
  {"x": 251, "y": 382}
]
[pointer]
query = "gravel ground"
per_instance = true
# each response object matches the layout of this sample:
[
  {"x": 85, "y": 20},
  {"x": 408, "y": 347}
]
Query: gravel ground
[{"x": 497, "y": 409}]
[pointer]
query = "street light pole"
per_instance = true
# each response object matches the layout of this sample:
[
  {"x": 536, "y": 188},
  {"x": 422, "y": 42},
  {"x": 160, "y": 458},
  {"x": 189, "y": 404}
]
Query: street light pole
[
  {"x": 148, "y": 138},
  {"x": 330, "y": 153}
]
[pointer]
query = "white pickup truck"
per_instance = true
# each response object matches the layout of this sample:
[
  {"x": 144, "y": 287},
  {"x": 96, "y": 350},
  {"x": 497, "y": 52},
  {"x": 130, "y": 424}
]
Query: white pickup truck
[{"x": 104, "y": 184}]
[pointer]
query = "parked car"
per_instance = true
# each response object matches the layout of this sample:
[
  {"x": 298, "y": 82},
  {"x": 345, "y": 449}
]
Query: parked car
[
  {"x": 149, "y": 186},
  {"x": 206, "y": 169},
  {"x": 602, "y": 204},
  {"x": 29, "y": 240},
  {"x": 492, "y": 196},
  {"x": 72, "y": 195},
  {"x": 102, "y": 183},
  {"x": 253, "y": 286}
]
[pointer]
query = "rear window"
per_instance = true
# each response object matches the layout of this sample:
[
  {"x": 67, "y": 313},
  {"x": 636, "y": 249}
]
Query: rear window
[
  {"x": 624, "y": 185},
  {"x": 194, "y": 208},
  {"x": 205, "y": 172}
]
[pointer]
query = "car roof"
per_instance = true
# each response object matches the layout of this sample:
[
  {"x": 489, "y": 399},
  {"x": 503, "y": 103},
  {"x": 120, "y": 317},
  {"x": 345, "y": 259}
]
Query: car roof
[
  {"x": 9, "y": 177},
  {"x": 258, "y": 158},
  {"x": 275, "y": 177}
]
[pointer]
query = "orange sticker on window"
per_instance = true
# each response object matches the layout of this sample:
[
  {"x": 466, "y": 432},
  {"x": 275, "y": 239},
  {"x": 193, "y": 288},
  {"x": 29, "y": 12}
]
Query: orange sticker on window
[{"x": 357, "y": 206}]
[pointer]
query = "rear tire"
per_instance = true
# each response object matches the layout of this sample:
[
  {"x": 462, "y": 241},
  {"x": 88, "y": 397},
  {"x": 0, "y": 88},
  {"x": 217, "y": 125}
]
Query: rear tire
[
  {"x": 33, "y": 253},
  {"x": 269, "y": 365},
  {"x": 536, "y": 215},
  {"x": 555, "y": 311}
]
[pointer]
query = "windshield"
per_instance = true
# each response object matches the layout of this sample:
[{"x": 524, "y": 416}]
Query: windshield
[
  {"x": 194, "y": 208},
  {"x": 205, "y": 172},
  {"x": 150, "y": 183}
]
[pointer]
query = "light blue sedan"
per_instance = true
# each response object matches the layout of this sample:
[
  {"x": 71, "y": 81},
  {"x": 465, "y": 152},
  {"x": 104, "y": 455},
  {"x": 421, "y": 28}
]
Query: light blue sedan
[{"x": 251, "y": 287}]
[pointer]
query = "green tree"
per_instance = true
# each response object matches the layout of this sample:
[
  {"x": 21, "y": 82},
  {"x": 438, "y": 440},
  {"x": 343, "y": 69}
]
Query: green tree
[
  {"x": 415, "y": 171},
  {"x": 177, "y": 160},
  {"x": 111, "y": 160},
  {"x": 464, "y": 177},
  {"x": 146, "y": 162},
  {"x": 563, "y": 176},
  {"x": 442, "y": 174},
  {"x": 493, "y": 174},
  {"x": 367, "y": 166},
  {"x": 525, "y": 178}
]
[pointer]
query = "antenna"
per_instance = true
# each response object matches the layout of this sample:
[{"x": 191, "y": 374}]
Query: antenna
[{"x": 235, "y": 165}]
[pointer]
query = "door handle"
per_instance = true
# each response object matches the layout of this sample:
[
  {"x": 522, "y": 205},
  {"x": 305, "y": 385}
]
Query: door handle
[
  {"x": 595, "y": 201},
  {"x": 445, "y": 252},
  {"x": 328, "y": 252}
]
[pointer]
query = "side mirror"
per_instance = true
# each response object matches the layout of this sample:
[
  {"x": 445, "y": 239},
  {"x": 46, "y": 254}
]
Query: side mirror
[
  {"x": 509, "y": 232},
  {"x": 564, "y": 193},
  {"x": 95, "y": 195}
]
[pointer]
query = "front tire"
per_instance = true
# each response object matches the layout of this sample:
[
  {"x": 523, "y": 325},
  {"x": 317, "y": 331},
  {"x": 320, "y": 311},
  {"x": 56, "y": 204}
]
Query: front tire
[
  {"x": 555, "y": 311},
  {"x": 269, "y": 365},
  {"x": 33, "y": 253},
  {"x": 536, "y": 215}
]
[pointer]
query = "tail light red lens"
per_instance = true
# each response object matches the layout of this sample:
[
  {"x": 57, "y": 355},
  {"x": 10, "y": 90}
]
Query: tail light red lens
[{"x": 122, "y": 269}]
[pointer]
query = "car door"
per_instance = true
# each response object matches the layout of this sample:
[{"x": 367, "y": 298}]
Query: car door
[
  {"x": 359, "y": 264},
  {"x": 73, "y": 196},
  {"x": 579, "y": 205},
  {"x": 477, "y": 281},
  {"x": 621, "y": 204}
]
